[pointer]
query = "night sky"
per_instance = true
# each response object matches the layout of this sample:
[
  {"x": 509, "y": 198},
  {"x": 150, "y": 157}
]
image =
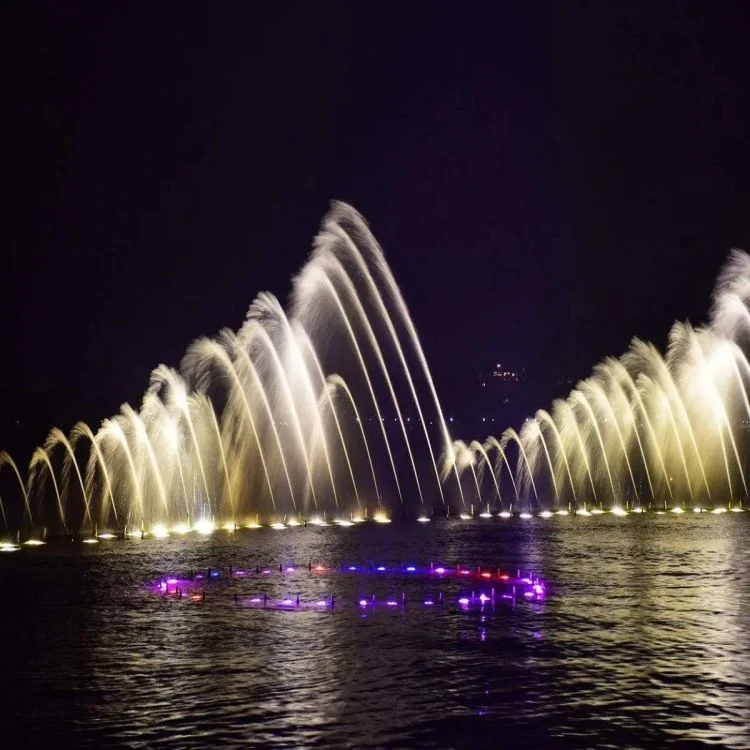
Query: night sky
[{"x": 547, "y": 181}]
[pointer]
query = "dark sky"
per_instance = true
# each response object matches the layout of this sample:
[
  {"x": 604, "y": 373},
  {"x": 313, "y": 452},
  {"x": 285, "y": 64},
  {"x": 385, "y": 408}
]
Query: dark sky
[{"x": 547, "y": 180}]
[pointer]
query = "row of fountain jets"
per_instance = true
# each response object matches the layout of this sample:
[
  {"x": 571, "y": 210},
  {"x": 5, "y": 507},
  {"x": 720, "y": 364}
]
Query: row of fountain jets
[{"x": 332, "y": 407}]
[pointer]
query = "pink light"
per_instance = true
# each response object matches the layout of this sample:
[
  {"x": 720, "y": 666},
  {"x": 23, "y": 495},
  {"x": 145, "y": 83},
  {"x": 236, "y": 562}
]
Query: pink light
[
  {"x": 484, "y": 598},
  {"x": 528, "y": 594},
  {"x": 526, "y": 580},
  {"x": 486, "y": 575},
  {"x": 322, "y": 603},
  {"x": 171, "y": 581},
  {"x": 391, "y": 603},
  {"x": 290, "y": 570},
  {"x": 319, "y": 568},
  {"x": 465, "y": 572},
  {"x": 266, "y": 572},
  {"x": 363, "y": 602},
  {"x": 163, "y": 586},
  {"x": 538, "y": 589},
  {"x": 428, "y": 602},
  {"x": 287, "y": 602},
  {"x": 463, "y": 600},
  {"x": 440, "y": 570},
  {"x": 504, "y": 577},
  {"x": 255, "y": 600}
]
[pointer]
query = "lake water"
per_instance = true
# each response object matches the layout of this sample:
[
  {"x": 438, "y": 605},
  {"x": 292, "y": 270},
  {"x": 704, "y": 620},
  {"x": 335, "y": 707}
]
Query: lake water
[{"x": 641, "y": 642}]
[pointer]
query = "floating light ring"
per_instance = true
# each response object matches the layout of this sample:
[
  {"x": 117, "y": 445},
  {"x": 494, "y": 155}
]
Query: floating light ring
[{"x": 502, "y": 587}]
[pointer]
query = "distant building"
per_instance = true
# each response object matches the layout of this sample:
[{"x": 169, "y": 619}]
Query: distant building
[{"x": 501, "y": 391}]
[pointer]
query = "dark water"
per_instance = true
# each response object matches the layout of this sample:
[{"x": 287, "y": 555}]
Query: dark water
[{"x": 642, "y": 642}]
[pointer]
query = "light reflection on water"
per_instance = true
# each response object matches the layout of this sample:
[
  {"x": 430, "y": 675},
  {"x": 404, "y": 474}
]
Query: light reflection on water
[{"x": 642, "y": 641}]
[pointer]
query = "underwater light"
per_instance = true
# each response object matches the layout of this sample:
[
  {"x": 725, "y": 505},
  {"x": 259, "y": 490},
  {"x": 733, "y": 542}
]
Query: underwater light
[
  {"x": 718, "y": 510},
  {"x": 205, "y": 527},
  {"x": 381, "y": 518},
  {"x": 563, "y": 513},
  {"x": 106, "y": 535},
  {"x": 485, "y": 514},
  {"x": 484, "y": 598},
  {"x": 317, "y": 521},
  {"x": 278, "y": 525},
  {"x": 464, "y": 516},
  {"x": 381, "y": 568},
  {"x": 363, "y": 602},
  {"x": 9, "y": 547},
  {"x": 583, "y": 512},
  {"x": 292, "y": 522},
  {"x": 504, "y": 514},
  {"x": 546, "y": 514},
  {"x": 230, "y": 526},
  {"x": 736, "y": 509},
  {"x": 352, "y": 567},
  {"x": 410, "y": 568},
  {"x": 423, "y": 519},
  {"x": 91, "y": 540},
  {"x": 637, "y": 509},
  {"x": 428, "y": 602},
  {"x": 253, "y": 525},
  {"x": 525, "y": 515},
  {"x": 358, "y": 519},
  {"x": 597, "y": 511},
  {"x": 33, "y": 542},
  {"x": 677, "y": 509},
  {"x": 160, "y": 531},
  {"x": 697, "y": 509},
  {"x": 618, "y": 511},
  {"x": 463, "y": 601},
  {"x": 181, "y": 528},
  {"x": 343, "y": 522},
  {"x": 440, "y": 571}
]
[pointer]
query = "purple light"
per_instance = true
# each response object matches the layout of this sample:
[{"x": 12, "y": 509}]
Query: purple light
[
  {"x": 363, "y": 602},
  {"x": 538, "y": 589},
  {"x": 322, "y": 603},
  {"x": 163, "y": 586},
  {"x": 465, "y": 572},
  {"x": 255, "y": 600},
  {"x": 528, "y": 594},
  {"x": 290, "y": 570},
  {"x": 381, "y": 567},
  {"x": 484, "y": 598},
  {"x": 287, "y": 602},
  {"x": 171, "y": 581},
  {"x": 352, "y": 567},
  {"x": 391, "y": 603},
  {"x": 463, "y": 601},
  {"x": 428, "y": 602},
  {"x": 266, "y": 572},
  {"x": 411, "y": 568},
  {"x": 440, "y": 571},
  {"x": 526, "y": 580}
]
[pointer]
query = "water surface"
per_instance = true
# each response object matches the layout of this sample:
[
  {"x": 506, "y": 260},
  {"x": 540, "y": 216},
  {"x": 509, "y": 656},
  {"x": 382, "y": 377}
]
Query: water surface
[{"x": 642, "y": 641}]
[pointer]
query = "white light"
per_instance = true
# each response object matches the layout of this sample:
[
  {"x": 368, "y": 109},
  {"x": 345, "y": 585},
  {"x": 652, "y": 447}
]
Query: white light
[
  {"x": 106, "y": 535},
  {"x": 677, "y": 509},
  {"x": 343, "y": 522},
  {"x": 525, "y": 515},
  {"x": 464, "y": 517},
  {"x": 697, "y": 509},
  {"x": 583, "y": 512},
  {"x": 278, "y": 525},
  {"x": 381, "y": 518},
  {"x": 8, "y": 547},
  {"x": 160, "y": 531},
  {"x": 504, "y": 514},
  {"x": 253, "y": 525},
  {"x": 205, "y": 527},
  {"x": 358, "y": 519},
  {"x": 545, "y": 514},
  {"x": 91, "y": 540},
  {"x": 292, "y": 522},
  {"x": 596, "y": 511},
  {"x": 736, "y": 509},
  {"x": 230, "y": 526},
  {"x": 33, "y": 542},
  {"x": 618, "y": 511},
  {"x": 423, "y": 519},
  {"x": 637, "y": 509},
  {"x": 716, "y": 511},
  {"x": 486, "y": 514},
  {"x": 181, "y": 528},
  {"x": 563, "y": 513}
]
